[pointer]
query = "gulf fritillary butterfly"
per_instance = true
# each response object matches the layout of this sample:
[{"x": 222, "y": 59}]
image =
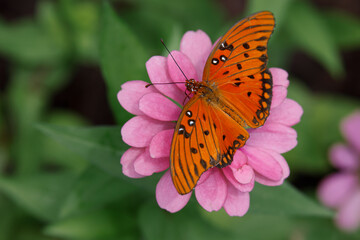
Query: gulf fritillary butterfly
[{"x": 235, "y": 94}]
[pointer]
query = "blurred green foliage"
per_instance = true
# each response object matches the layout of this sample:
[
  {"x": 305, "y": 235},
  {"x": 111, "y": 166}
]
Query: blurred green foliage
[{"x": 48, "y": 192}]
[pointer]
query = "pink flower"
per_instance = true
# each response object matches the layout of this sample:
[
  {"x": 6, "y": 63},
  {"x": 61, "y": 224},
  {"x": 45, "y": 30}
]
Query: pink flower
[
  {"x": 150, "y": 132},
  {"x": 342, "y": 190}
]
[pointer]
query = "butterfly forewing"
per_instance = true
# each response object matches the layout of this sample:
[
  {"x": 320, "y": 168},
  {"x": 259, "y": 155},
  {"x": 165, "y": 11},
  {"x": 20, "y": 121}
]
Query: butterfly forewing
[
  {"x": 195, "y": 146},
  {"x": 242, "y": 51}
]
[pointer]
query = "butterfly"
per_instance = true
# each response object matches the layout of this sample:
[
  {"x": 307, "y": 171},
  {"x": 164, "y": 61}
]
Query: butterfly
[{"x": 234, "y": 95}]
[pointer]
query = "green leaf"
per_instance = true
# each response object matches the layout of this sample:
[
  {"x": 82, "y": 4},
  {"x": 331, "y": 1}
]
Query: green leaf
[
  {"x": 309, "y": 31},
  {"x": 91, "y": 226},
  {"x": 40, "y": 194},
  {"x": 157, "y": 224},
  {"x": 344, "y": 28},
  {"x": 318, "y": 129},
  {"x": 27, "y": 43},
  {"x": 101, "y": 146},
  {"x": 284, "y": 200},
  {"x": 116, "y": 221},
  {"x": 278, "y": 7},
  {"x": 122, "y": 57},
  {"x": 92, "y": 190}
]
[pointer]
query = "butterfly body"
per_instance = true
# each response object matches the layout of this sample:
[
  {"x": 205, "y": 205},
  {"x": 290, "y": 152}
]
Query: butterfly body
[{"x": 234, "y": 95}]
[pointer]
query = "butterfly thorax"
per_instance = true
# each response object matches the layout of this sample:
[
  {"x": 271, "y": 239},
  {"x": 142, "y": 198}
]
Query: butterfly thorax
[{"x": 201, "y": 88}]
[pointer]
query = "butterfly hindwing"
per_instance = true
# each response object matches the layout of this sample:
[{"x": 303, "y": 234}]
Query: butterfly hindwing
[{"x": 250, "y": 97}]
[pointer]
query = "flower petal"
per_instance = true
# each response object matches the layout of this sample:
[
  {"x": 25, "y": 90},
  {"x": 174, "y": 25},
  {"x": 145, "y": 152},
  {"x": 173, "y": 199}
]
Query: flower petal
[
  {"x": 139, "y": 130},
  {"x": 334, "y": 190},
  {"x": 350, "y": 127},
  {"x": 130, "y": 94},
  {"x": 243, "y": 186},
  {"x": 273, "y": 136},
  {"x": 127, "y": 162},
  {"x": 158, "y": 73},
  {"x": 157, "y": 106},
  {"x": 279, "y": 95},
  {"x": 167, "y": 196},
  {"x": 280, "y": 77},
  {"x": 211, "y": 193},
  {"x": 161, "y": 143},
  {"x": 287, "y": 113},
  {"x": 344, "y": 157},
  {"x": 285, "y": 171},
  {"x": 237, "y": 203},
  {"x": 263, "y": 163},
  {"x": 186, "y": 67},
  {"x": 348, "y": 217},
  {"x": 197, "y": 46},
  {"x": 146, "y": 165}
]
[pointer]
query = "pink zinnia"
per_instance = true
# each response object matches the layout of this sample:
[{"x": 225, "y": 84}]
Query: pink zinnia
[
  {"x": 342, "y": 190},
  {"x": 150, "y": 133}
]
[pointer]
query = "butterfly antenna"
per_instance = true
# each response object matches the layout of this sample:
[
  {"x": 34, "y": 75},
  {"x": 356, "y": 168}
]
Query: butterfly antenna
[
  {"x": 162, "y": 41},
  {"x": 150, "y": 84}
]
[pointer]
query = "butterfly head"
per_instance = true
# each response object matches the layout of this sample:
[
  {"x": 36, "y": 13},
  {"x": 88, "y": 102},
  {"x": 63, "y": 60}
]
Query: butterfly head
[{"x": 192, "y": 85}]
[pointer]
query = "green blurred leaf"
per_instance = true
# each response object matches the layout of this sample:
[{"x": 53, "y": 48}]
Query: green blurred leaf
[
  {"x": 116, "y": 221},
  {"x": 318, "y": 129},
  {"x": 344, "y": 29},
  {"x": 157, "y": 224},
  {"x": 250, "y": 226},
  {"x": 284, "y": 200},
  {"x": 206, "y": 15},
  {"x": 94, "y": 225},
  {"x": 309, "y": 31},
  {"x": 92, "y": 190},
  {"x": 83, "y": 21},
  {"x": 102, "y": 146},
  {"x": 27, "y": 43},
  {"x": 122, "y": 57},
  {"x": 27, "y": 98},
  {"x": 40, "y": 194},
  {"x": 278, "y": 7}
]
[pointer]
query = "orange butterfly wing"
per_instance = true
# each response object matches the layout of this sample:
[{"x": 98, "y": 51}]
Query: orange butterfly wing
[
  {"x": 204, "y": 136},
  {"x": 235, "y": 94}
]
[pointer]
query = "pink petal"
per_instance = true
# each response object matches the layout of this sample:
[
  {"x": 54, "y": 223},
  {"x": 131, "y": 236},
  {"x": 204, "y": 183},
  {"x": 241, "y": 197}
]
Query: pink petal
[
  {"x": 185, "y": 65},
  {"x": 344, "y": 157},
  {"x": 334, "y": 190},
  {"x": 130, "y": 94},
  {"x": 157, "y": 106},
  {"x": 246, "y": 184},
  {"x": 211, "y": 193},
  {"x": 239, "y": 160},
  {"x": 279, "y": 95},
  {"x": 287, "y": 113},
  {"x": 158, "y": 73},
  {"x": 350, "y": 127},
  {"x": 263, "y": 163},
  {"x": 280, "y": 77},
  {"x": 273, "y": 136},
  {"x": 139, "y": 130},
  {"x": 285, "y": 171},
  {"x": 197, "y": 46},
  {"x": 237, "y": 203},
  {"x": 161, "y": 143},
  {"x": 348, "y": 217},
  {"x": 167, "y": 196},
  {"x": 127, "y": 162},
  {"x": 146, "y": 165}
]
